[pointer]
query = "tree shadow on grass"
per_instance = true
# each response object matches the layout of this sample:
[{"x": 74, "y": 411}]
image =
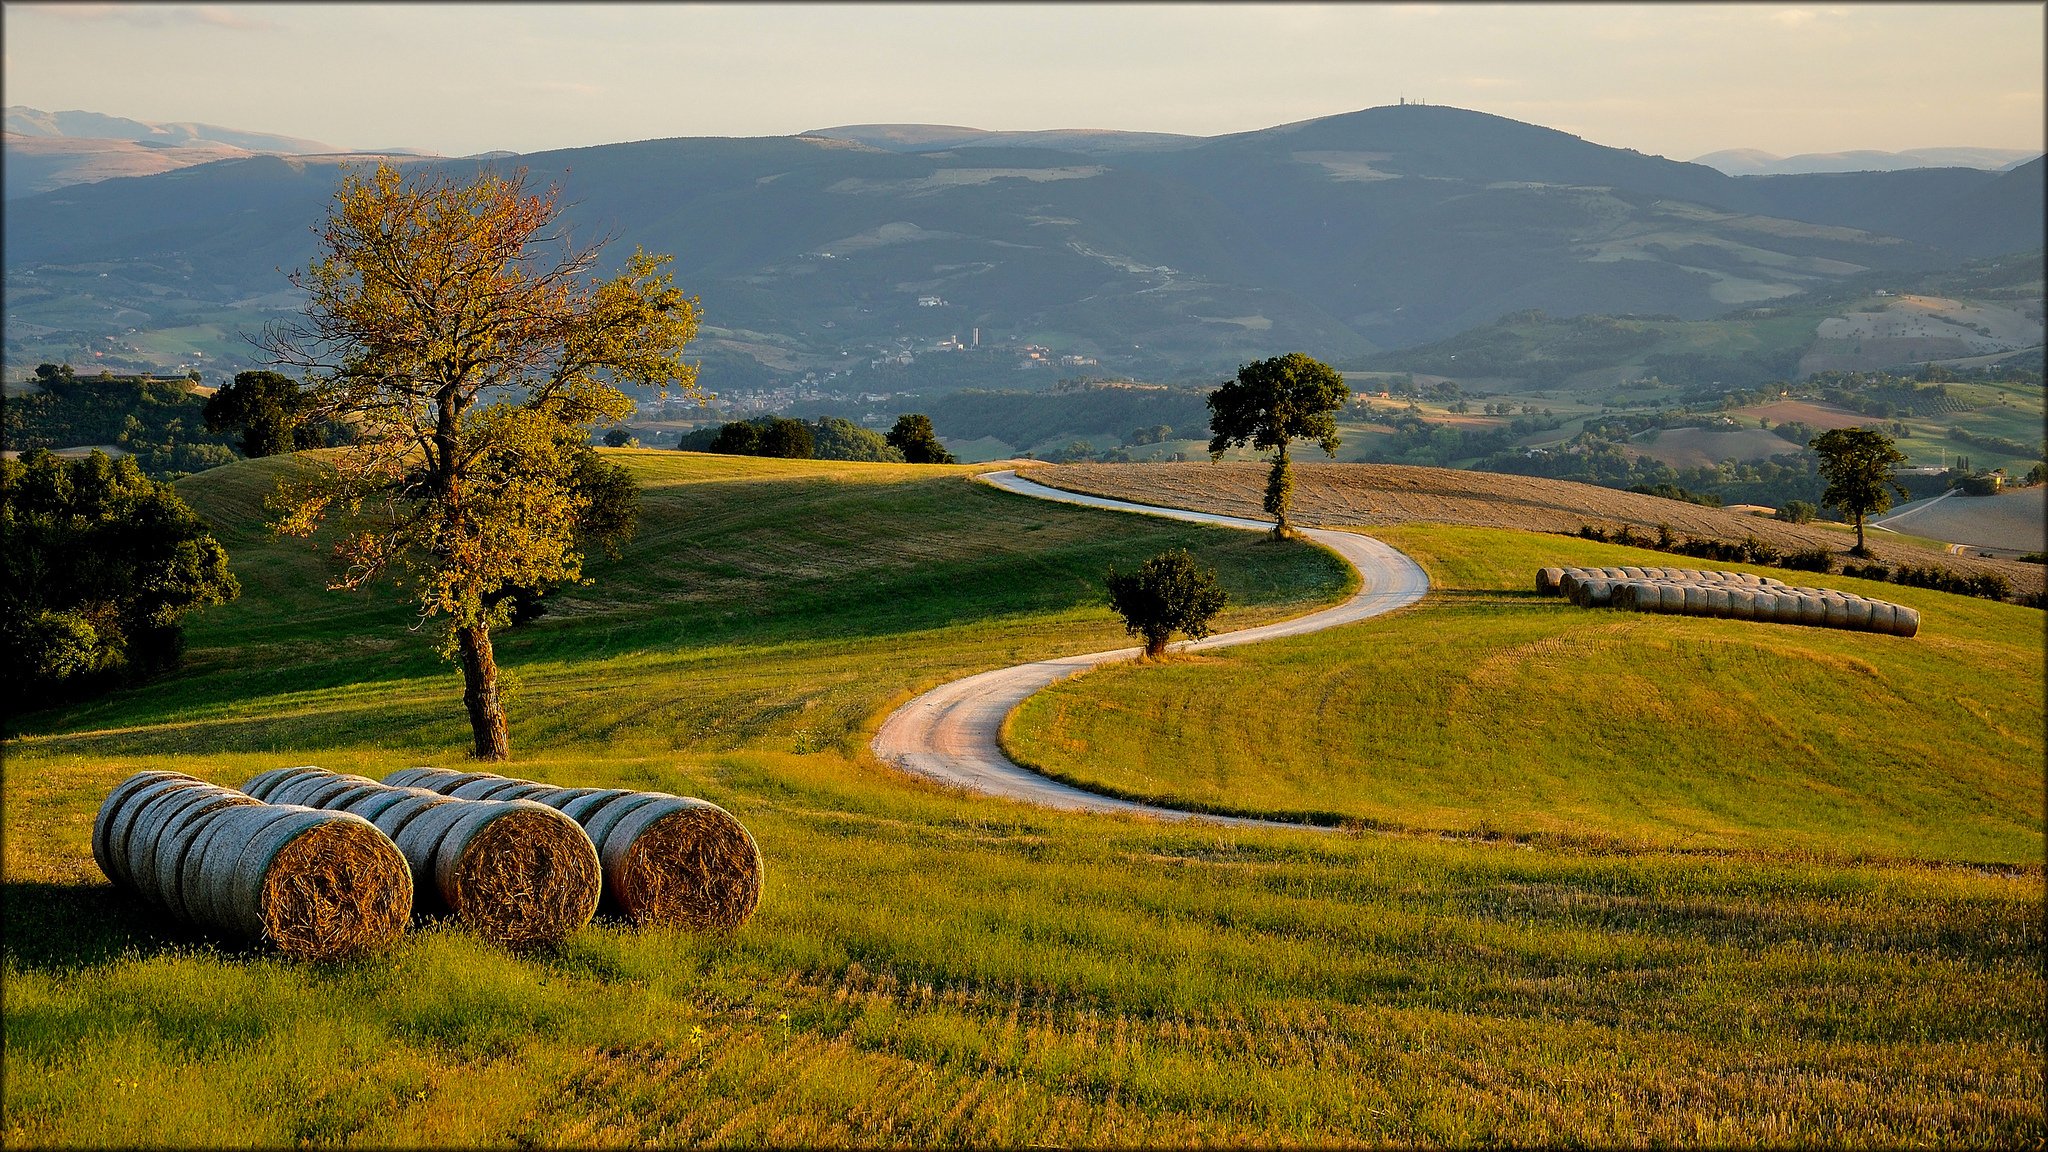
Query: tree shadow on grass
[{"x": 65, "y": 927}]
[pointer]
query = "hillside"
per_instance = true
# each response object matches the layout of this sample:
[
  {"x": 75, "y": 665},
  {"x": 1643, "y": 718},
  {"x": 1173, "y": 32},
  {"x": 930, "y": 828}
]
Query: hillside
[
  {"x": 932, "y": 968},
  {"x": 1373, "y": 495},
  {"x": 819, "y": 258}
]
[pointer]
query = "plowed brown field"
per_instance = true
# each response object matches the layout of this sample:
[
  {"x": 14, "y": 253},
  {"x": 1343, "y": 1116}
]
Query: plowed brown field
[{"x": 1366, "y": 495}]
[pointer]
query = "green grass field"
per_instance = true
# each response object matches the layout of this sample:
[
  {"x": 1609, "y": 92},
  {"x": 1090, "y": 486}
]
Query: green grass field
[
  {"x": 929, "y": 967},
  {"x": 1492, "y": 709}
]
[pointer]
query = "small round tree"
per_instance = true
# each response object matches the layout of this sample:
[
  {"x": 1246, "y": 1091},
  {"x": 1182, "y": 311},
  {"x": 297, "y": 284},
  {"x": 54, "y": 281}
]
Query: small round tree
[
  {"x": 913, "y": 436},
  {"x": 1167, "y": 594}
]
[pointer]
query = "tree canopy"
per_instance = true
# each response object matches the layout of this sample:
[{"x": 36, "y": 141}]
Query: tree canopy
[
  {"x": 1167, "y": 594},
  {"x": 267, "y": 410},
  {"x": 1860, "y": 467},
  {"x": 1270, "y": 404},
  {"x": 101, "y": 563},
  {"x": 913, "y": 436},
  {"x": 466, "y": 341}
]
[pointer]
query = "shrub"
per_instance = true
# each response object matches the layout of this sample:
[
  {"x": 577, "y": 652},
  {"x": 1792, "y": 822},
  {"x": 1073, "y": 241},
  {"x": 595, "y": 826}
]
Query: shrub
[
  {"x": 1167, "y": 594},
  {"x": 1797, "y": 512}
]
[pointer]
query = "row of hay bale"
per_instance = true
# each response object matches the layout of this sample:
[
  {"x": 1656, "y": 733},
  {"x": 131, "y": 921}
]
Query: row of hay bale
[
  {"x": 666, "y": 859},
  {"x": 1726, "y": 595},
  {"x": 514, "y": 872},
  {"x": 325, "y": 864},
  {"x": 317, "y": 884}
]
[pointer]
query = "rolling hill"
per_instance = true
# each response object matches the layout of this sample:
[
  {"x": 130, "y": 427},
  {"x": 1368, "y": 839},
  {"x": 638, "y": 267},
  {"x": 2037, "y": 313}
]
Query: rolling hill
[
  {"x": 817, "y": 254},
  {"x": 934, "y": 968}
]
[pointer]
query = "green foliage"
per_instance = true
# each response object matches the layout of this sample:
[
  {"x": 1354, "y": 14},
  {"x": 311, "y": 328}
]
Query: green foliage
[
  {"x": 1797, "y": 512},
  {"x": 1271, "y": 403},
  {"x": 775, "y": 436},
  {"x": 836, "y": 438},
  {"x": 1675, "y": 492},
  {"x": 161, "y": 422},
  {"x": 268, "y": 410},
  {"x": 620, "y": 438},
  {"x": 913, "y": 436},
  {"x": 100, "y": 565},
  {"x": 1167, "y": 594},
  {"x": 1858, "y": 465}
]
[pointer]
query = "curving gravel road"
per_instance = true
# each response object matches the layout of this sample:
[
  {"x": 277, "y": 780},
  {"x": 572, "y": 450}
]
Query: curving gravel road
[{"x": 950, "y": 734}]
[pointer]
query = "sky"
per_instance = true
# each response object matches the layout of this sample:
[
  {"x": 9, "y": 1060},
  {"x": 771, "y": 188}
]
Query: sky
[{"x": 1677, "y": 80}]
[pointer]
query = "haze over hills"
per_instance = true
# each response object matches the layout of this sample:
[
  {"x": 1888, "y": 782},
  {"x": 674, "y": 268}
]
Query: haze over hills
[
  {"x": 1756, "y": 162},
  {"x": 50, "y": 150},
  {"x": 830, "y": 255}
]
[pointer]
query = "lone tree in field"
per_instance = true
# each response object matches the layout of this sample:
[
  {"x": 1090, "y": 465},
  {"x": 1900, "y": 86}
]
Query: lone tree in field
[
  {"x": 1859, "y": 466},
  {"x": 1167, "y": 594},
  {"x": 467, "y": 344},
  {"x": 913, "y": 436},
  {"x": 1270, "y": 404}
]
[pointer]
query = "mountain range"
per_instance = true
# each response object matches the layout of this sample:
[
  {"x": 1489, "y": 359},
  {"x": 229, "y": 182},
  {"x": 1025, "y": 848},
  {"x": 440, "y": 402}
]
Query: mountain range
[
  {"x": 1756, "y": 162},
  {"x": 1140, "y": 252}
]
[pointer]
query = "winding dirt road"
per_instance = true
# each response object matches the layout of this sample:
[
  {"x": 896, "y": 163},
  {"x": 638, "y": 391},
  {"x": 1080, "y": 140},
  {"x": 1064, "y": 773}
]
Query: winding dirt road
[{"x": 951, "y": 734}]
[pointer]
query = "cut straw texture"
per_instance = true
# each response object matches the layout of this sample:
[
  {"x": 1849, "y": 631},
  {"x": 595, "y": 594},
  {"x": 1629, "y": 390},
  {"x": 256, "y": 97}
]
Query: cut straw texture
[
  {"x": 669, "y": 860},
  {"x": 317, "y": 885},
  {"x": 512, "y": 871},
  {"x": 1727, "y": 595}
]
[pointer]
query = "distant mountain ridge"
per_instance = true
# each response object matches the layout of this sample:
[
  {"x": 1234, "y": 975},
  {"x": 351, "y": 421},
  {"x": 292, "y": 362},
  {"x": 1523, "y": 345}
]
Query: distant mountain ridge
[
  {"x": 50, "y": 150},
  {"x": 1383, "y": 228},
  {"x": 26, "y": 121},
  {"x": 1756, "y": 162}
]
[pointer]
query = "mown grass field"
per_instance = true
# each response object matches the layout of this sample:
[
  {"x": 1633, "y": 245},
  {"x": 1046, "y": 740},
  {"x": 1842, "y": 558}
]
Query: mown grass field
[
  {"x": 1491, "y": 709},
  {"x": 929, "y": 967}
]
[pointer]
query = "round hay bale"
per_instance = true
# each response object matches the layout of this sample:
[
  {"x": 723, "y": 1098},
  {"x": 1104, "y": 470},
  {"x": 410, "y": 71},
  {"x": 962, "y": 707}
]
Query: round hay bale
[
  {"x": 140, "y": 803},
  {"x": 684, "y": 863},
  {"x": 600, "y": 821},
  {"x": 518, "y": 873},
  {"x": 1546, "y": 581},
  {"x": 1860, "y": 615},
  {"x": 111, "y": 808},
  {"x": 313, "y": 791},
  {"x": 169, "y": 818},
  {"x": 319, "y": 885},
  {"x": 487, "y": 788},
  {"x": 1837, "y": 613},
  {"x": 263, "y": 784},
  {"x": 581, "y": 807},
  {"x": 1717, "y": 602},
  {"x": 1741, "y": 604},
  {"x": 1671, "y": 598},
  {"x": 1599, "y": 593},
  {"x": 411, "y": 777},
  {"x": 1813, "y": 609},
  {"x": 1905, "y": 621},
  {"x": 162, "y": 875}
]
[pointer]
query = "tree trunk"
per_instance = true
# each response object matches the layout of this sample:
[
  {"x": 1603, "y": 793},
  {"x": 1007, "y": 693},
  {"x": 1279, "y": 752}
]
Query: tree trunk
[
  {"x": 1860, "y": 549},
  {"x": 1155, "y": 647},
  {"x": 480, "y": 694},
  {"x": 1279, "y": 486}
]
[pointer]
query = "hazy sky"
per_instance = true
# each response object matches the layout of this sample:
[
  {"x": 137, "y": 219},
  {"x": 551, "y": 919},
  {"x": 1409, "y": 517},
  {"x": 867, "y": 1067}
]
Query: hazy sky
[{"x": 1675, "y": 80}]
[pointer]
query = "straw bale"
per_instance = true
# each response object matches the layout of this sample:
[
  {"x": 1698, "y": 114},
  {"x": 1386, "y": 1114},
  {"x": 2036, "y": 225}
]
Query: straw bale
[
  {"x": 518, "y": 873},
  {"x": 1546, "y": 581},
  {"x": 678, "y": 860}
]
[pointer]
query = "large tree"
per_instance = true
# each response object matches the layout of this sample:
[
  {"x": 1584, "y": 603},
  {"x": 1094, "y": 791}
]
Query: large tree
[
  {"x": 1860, "y": 466},
  {"x": 1270, "y": 404},
  {"x": 471, "y": 349}
]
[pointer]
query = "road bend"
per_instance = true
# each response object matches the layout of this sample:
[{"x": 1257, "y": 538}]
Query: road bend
[{"x": 952, "y": 734}]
